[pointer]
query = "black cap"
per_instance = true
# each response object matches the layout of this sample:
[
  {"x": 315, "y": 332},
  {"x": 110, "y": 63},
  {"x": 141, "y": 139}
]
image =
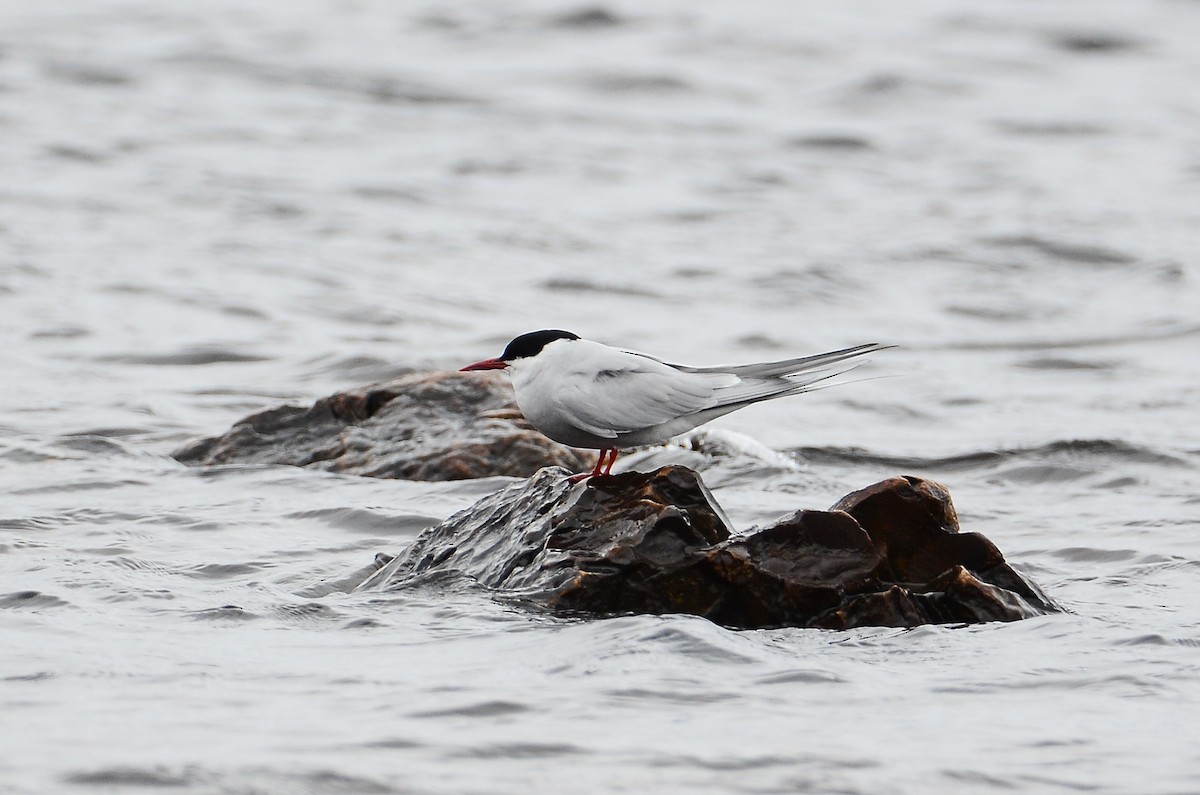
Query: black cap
[{"x": 531, "y": 344}]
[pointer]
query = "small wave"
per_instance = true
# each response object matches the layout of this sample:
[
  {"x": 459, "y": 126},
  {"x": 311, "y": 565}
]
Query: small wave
[
  {"x": 691, "y": 639},
  {"x": 358, "y": 369},
  {"x": 25, "y": 455},
  {"x": 682, "y": 694},
  {"x": 493, "y": 708},
  {"x": 835, "y": 142},
  {"x": 333, "y": 781},
  {"x": 1077, "y": 453},
  {"x": 1093, "y": 555},
  {"x": 229, "y": 613},
  {"x": 361, "y": 520},
  {"x": 648, "y": 83},
  {"x": 36, "y": 676},
  {"x": 60, "y": 332},
  {"x": 223, "y": 571},
  {"x": 1050, "y": 128},
  {"x": 577, "y": 285},
  {"x": 724, "y": 442},
  {"x": 1095, "y": 42},
  {"x": 384, "y": 88},
  {"x": 523, "y": 750},
  {"x": 587, "y": 18},
  {"x": 1131, "y": 337},
  {"x": 736, "y": 763},
  {"x": 973, "y": 779},
  {"x": 1066, "y": 363},
  {"x": 30, "y": 600},
  {"x": 89, "y": 74},
  {"x": 1152, "y": 639},
  {"x": 365, "y": 623},
  {"x": 802, "y": 676},
  {"x": 155, "y": 777},
  {"x": 80, "y": 485},
  {"x": 108, "y": 432},
  {"x": 307, "y": 612},
  {"x": 192, "y": 357},
  {"x": 95, "y": 443},
  {"x": 1063, "y": 251}
]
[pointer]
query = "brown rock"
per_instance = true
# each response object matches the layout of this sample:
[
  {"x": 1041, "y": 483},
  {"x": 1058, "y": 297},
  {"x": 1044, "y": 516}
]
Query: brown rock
[
  {"x": 913, "y": 524},
  {"x": 425, "y": 426},
  {"x": 658, "y": 543}
]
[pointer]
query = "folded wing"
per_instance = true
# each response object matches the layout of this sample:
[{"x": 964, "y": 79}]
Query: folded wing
[
  {"x": 618, "y": 392},
  {"x": 631, "y": 392}
]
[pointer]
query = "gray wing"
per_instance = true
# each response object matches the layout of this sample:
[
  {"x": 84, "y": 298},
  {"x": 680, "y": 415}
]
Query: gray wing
[
  {"x": 630, "y": 392},
  {"x": 618, "y": 392}
]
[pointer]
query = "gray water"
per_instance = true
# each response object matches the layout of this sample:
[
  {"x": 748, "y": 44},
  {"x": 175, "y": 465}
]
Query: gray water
[{"x": 207, "y": 209}]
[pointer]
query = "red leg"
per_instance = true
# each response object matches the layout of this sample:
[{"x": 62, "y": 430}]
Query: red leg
[
  {"x": 595, "y": 470},
  {"x": 600, "y": 467}
]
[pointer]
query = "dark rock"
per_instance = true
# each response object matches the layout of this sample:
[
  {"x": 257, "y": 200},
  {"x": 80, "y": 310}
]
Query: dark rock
[
  {"x": 425, "y": 426},
  {"x": 547, "y": 537},
  {"x": 658, "y": 543},
  {"x": 913, "y": 524},
  {"x": 796, "y": 570}
]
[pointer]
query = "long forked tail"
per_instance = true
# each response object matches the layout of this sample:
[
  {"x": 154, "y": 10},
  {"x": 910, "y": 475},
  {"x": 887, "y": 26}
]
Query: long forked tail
[
  {"x": 768, "y": 380},
  {"x": 791, "y": 367}
]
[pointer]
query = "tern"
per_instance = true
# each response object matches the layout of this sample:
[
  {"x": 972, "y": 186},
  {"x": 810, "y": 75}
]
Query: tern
[{"x": 585, "y": 394}]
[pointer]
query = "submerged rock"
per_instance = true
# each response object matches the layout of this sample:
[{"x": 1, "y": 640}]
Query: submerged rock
[
  {"x": 889, "y": 555},
  {"x": 425, "y": 426}
]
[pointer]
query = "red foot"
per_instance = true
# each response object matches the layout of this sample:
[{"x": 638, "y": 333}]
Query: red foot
[{"x": 600, "y": 468}]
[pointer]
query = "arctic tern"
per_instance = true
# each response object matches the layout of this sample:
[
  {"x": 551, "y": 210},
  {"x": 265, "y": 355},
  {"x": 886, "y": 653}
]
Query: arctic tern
[{"x": 585, "y": 394}]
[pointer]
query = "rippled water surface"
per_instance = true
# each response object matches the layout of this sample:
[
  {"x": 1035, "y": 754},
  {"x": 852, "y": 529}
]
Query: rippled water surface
[{"x": 212, "y": 208}]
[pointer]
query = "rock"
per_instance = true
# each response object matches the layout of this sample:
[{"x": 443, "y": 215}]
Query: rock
[
  {"x": 424, "y": 426},
  {"x": 659, "y": 543},
  {"x": 913, "y": 524}
]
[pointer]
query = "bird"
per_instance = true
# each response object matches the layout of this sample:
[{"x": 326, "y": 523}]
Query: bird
[{"x": 586, "y": 394}]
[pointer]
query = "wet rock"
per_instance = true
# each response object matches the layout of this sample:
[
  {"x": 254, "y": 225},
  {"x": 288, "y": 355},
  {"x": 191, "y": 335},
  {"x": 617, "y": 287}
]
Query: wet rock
[
  {"x": 659, "y": 543},
  {"x": 913, "y": 524},
  {"x": 424, "y": 426}
]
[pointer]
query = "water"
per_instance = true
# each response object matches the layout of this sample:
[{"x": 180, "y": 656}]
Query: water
[{"x": 212, "y": 208}]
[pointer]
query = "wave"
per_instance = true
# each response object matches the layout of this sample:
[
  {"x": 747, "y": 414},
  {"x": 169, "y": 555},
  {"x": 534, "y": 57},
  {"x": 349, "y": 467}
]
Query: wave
[
  {"x": 1131, "y": 337},
  {"x": 1068, "y": 451}
]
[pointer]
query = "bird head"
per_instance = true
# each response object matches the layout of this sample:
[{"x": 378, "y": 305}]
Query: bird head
[{"x": 525, "y": 346}]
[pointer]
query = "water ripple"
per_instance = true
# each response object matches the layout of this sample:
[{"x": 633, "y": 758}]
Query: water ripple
[
  {"x": 141, "y": 777},
  {"x": 30, "y": 600},
  {"x": 1070, "y": 458},
  {"x": 491, "y": 708}
]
